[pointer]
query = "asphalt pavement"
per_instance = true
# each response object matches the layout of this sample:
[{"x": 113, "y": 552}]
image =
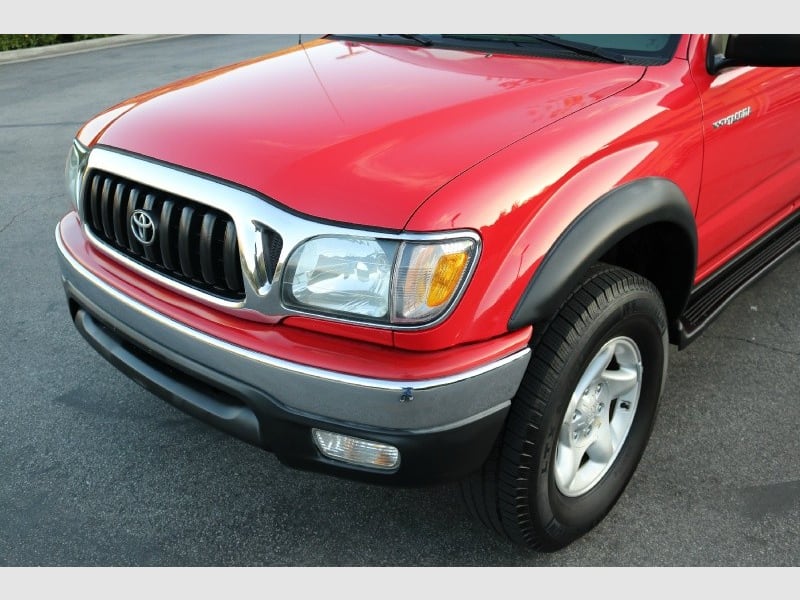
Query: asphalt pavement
[{"x": 95, "y": 471}]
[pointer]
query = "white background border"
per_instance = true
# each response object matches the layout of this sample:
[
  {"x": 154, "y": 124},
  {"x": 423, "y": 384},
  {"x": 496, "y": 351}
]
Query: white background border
[{"x": 374, "y": 16}]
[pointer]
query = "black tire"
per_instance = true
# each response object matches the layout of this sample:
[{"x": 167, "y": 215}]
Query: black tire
[{"x": 516, "y": 493}]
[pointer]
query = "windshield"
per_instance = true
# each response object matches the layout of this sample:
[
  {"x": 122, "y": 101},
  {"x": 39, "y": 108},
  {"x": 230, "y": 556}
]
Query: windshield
[
  {"x": 643, "y": 49},
  {"x": 637, "y": 42}
]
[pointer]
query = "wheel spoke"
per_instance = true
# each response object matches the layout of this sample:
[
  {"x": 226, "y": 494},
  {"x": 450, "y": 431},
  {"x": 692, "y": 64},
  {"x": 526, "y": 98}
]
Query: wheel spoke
[
  {"x": 568, "y": 460},
  {"x": 602, "y": 449},
  {"x": 596, "y": 368},
  {"x": 620, "y": 382},
  {"x": 623, "y": 417}
]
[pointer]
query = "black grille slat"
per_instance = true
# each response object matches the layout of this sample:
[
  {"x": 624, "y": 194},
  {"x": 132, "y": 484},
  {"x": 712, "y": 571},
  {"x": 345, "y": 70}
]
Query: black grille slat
[
  {"x": 184, "y": 241},
  {"x": 120, "y": 229},
  {"x": 230, "y": 257},
  {"x": 133, "y": 203},
  {"x": 194, "y": 244},
  {"x": 95, "y": 204},
  {"x": 206, "y": 248},
  {"x": 166, "y": 237},
  {"x": 105, "y": 208},
  {"x": 151, "y": 250}
]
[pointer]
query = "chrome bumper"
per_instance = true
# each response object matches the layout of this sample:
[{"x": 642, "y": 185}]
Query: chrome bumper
[{"x": 413, "y": 407}]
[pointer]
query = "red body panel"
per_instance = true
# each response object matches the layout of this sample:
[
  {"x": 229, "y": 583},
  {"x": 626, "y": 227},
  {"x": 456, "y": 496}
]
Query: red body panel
[
  {"x": 418, "y": 139},
  {"x": 354, "y": 133},
  {"x": 524, "y": 197},
  {"x": 750, "y": 172}
]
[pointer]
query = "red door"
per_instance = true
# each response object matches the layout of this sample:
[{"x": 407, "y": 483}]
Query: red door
[{"x": 751, "y": 163}]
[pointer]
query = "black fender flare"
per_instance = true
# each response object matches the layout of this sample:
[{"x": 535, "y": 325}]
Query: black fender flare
[{"x": 604, "y": 223}]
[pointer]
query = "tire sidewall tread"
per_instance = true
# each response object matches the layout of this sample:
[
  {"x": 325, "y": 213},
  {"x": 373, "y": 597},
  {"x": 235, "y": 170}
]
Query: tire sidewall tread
[{"x": 610, "y": 302}]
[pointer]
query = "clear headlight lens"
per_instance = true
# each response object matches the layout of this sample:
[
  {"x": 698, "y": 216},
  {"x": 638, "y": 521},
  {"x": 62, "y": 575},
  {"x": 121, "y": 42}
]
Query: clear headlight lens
[
  {"x": 341, "y": 275},
  {"x": 74, "y": 169},
  {"x": 377, "y": 280}
]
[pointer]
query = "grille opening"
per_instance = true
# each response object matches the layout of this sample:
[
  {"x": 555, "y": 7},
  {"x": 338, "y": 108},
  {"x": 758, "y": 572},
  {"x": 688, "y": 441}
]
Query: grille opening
[
  {"x": 192, "y": 243},
  {"x": 218, "y": 394},
  {"x": 175, "y": 374},
  {"x": 273, "y": 244}
]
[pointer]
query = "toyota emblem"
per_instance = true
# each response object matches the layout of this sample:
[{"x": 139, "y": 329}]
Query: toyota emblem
[{"x": 143, "y": 227}]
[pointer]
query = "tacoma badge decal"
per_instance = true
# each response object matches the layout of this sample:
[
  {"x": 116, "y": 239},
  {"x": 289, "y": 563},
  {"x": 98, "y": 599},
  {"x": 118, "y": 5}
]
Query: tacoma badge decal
[
  {"x": 731, "y": 119},
  {"x": 143, "y": 227}
]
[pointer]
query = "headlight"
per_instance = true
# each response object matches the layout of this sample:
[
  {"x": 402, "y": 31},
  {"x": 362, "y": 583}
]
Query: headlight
[
  {"x": 341, "y": 275},
  {"x": 378, "y": 280},
  {"x": 74, "y": 169}
]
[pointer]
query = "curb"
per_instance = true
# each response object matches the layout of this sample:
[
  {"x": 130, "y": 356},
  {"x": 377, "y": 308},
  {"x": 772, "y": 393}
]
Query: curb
[{"x": 25, "y": 54}]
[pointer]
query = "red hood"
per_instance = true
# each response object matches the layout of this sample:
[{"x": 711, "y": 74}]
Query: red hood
[{"x": 358, "y": 133}]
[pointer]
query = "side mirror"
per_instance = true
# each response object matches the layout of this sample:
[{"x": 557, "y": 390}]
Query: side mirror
[{"x": 757, "y": 50}]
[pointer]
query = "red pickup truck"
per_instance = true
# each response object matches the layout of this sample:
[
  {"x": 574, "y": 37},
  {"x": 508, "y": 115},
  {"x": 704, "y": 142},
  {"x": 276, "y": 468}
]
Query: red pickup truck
[{"x": 420, "y": 258}]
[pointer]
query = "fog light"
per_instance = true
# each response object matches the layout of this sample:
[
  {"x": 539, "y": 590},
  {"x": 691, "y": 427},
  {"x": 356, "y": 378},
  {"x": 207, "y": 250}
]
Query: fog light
[{"x": 356, "y": 451}]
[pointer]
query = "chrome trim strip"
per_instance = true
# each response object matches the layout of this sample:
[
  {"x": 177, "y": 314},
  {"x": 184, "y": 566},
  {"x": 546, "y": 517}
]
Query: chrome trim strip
[
  {"x": 251, "y": 214},
  {"x": 75, "y": 192},
  {"x": 278, "y": 363}
]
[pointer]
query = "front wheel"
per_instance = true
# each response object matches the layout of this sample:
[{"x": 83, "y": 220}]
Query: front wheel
[{"x": 582, "y": 416}]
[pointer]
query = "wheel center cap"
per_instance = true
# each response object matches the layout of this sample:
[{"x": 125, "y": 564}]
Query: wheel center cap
[
  {"x": 590, "y": 401},
  {"x": 588, "y": 410}
]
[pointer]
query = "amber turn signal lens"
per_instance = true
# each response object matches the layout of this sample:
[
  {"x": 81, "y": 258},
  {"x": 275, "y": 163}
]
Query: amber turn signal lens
[{"x": 446, "y": 277}]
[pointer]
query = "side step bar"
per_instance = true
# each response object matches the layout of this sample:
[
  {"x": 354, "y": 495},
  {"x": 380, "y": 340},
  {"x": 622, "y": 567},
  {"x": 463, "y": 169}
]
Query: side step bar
[{"x": 709, "y": 298}]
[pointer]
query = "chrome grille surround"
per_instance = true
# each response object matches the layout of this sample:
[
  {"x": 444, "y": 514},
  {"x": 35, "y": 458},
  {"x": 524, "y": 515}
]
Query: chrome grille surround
[{"x": 254, "y": 217}]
